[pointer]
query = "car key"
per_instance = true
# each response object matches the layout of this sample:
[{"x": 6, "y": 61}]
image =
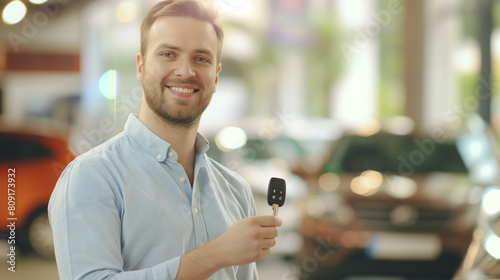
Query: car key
[{"x": 276, "y": 193}]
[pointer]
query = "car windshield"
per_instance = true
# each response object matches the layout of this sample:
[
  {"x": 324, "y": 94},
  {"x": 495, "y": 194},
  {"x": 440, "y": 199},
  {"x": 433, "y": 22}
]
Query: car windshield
[{"x": 395, "y": 154}]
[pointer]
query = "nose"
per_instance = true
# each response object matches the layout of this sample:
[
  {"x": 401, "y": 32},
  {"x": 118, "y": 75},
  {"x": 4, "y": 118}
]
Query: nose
[{"x": 184, "y": 68}]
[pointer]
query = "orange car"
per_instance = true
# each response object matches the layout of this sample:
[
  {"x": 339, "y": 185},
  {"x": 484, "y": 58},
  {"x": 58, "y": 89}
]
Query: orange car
[{"x": 30, "y": 165}]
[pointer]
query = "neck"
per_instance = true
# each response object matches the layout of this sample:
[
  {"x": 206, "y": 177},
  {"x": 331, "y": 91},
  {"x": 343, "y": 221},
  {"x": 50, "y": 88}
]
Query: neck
[{"x": 180, "y": 137}]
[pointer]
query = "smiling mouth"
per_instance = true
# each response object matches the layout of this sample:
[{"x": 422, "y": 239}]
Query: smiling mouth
[{"x": 184, "y": 90}]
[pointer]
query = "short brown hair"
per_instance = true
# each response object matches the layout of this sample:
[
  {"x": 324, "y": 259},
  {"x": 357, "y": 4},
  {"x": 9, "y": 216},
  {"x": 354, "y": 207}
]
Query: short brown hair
[{"x": 188, "y": 8}]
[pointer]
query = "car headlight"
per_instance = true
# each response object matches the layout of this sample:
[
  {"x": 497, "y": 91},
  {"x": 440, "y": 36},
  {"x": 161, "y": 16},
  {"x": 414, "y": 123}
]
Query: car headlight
[{"x": 368, "y": 183}]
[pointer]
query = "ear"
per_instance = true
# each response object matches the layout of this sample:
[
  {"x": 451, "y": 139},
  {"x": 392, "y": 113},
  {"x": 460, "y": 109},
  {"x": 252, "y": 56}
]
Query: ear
[
  {"x": 217, "y": 75},
  {"x": 139, "y": 67}
]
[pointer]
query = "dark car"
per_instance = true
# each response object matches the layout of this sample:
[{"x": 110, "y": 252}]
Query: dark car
[
  {"x": 31, "y": 161},
  {"x": 390, "y": 205}
]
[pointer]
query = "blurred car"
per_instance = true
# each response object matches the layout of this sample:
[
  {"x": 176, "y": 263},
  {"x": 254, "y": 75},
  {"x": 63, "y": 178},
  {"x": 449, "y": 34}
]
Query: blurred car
[
  {"x": 31, "y": 162},
  {"x": 390, "y": 205},
  {"x": 482, "y": 261}
]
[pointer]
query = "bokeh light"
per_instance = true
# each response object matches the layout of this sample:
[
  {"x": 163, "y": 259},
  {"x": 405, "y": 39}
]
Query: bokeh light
[
  {"x": 107, "y": 84},
  {"x": 231, "y": 138},
  {"x": 14, "y": 12},
  {"x": 368, "y": 183},
  {"x": 491, "y": 201},
  {"x": 38, "y": 1},
  {"x": 126, "y": 12}
]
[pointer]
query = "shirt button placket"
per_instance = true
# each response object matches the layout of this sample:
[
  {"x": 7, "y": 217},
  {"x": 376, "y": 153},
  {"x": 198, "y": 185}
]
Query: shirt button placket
[{"x": 198, "y": 224}]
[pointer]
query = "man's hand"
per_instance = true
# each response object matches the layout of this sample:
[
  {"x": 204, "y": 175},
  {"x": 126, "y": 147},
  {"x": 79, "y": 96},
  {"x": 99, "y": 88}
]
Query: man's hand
[{"x": 248, "y": 240}]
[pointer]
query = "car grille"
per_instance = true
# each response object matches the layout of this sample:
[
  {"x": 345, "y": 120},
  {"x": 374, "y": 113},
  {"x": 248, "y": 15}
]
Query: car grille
[{"x": 377, "y": 217}]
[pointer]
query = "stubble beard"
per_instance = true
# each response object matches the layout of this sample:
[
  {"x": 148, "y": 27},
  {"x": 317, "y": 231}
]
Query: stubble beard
[{"x": 175, "y": 112}]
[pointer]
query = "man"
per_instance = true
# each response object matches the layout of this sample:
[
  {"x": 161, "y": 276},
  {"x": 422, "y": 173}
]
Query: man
[{"x": 149, "y": 203}]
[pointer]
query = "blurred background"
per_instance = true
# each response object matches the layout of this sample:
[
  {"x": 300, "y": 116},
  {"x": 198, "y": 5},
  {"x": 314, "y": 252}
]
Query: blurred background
[{"x": 383, "y": 116}]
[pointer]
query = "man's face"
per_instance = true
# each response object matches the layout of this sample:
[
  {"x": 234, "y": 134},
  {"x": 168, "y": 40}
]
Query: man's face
[{"x": 179, "y": 73}]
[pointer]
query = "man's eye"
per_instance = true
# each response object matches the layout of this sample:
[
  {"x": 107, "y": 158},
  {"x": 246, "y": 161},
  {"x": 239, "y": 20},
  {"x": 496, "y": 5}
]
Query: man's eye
[
  {"x": 168, "y": 54},
  {"x": 201, "y": 59}
]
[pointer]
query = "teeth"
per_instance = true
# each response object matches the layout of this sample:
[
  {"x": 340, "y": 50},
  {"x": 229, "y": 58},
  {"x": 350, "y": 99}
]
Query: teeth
[{"x": 183, "y": 90}]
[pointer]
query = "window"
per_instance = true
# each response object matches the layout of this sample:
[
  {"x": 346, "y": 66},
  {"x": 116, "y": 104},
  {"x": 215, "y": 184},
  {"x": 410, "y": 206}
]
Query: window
[{"x": 14, "y": 148}]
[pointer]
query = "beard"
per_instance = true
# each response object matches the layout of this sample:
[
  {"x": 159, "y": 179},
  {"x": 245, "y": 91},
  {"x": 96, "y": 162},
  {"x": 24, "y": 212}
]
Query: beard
[{"x": 174, "y": 111}]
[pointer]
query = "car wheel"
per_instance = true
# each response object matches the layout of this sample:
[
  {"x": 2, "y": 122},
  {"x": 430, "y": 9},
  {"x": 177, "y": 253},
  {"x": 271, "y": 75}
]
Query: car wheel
[{"x": 40, "y": 236}]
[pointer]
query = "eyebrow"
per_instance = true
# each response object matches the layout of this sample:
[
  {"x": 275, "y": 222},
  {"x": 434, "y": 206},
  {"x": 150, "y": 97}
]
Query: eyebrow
[{"x": 172, "y": 47}]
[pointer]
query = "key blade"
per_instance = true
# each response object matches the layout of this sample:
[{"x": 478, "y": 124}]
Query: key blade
[
  {"x": 275, "y": 210},
  {"x": 276, "y": 191}
]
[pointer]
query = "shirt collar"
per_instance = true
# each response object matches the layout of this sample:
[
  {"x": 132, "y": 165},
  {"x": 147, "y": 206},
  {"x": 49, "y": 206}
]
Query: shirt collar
[
  {"x": 154, "y": 145},
  {"x": 201, "y": 144}
]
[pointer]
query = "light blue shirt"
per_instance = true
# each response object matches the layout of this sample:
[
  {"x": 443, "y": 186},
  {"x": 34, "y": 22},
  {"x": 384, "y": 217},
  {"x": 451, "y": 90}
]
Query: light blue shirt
[{"x": 126, "y": 210}]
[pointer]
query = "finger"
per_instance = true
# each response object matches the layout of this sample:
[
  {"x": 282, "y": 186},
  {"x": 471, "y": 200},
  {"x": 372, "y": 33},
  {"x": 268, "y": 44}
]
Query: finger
[
  {"x": 269, "y": 221},
  {"x": 279, "y": 222},
  {"x": 264, "y": 252},
  {"x": 268, "y": 243},
  {"x": 268, "y": 232}
]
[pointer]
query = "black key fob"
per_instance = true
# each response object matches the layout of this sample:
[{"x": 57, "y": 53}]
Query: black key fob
[{"x": 276, "y": 192}]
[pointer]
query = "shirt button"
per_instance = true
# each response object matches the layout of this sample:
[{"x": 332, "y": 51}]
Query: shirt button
[
  {"x": 196, "y": 210},
  {"x": 159, "y": 156},
  {"x": 170, "y": 154},
  {"x": 182, "y": 180}
]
